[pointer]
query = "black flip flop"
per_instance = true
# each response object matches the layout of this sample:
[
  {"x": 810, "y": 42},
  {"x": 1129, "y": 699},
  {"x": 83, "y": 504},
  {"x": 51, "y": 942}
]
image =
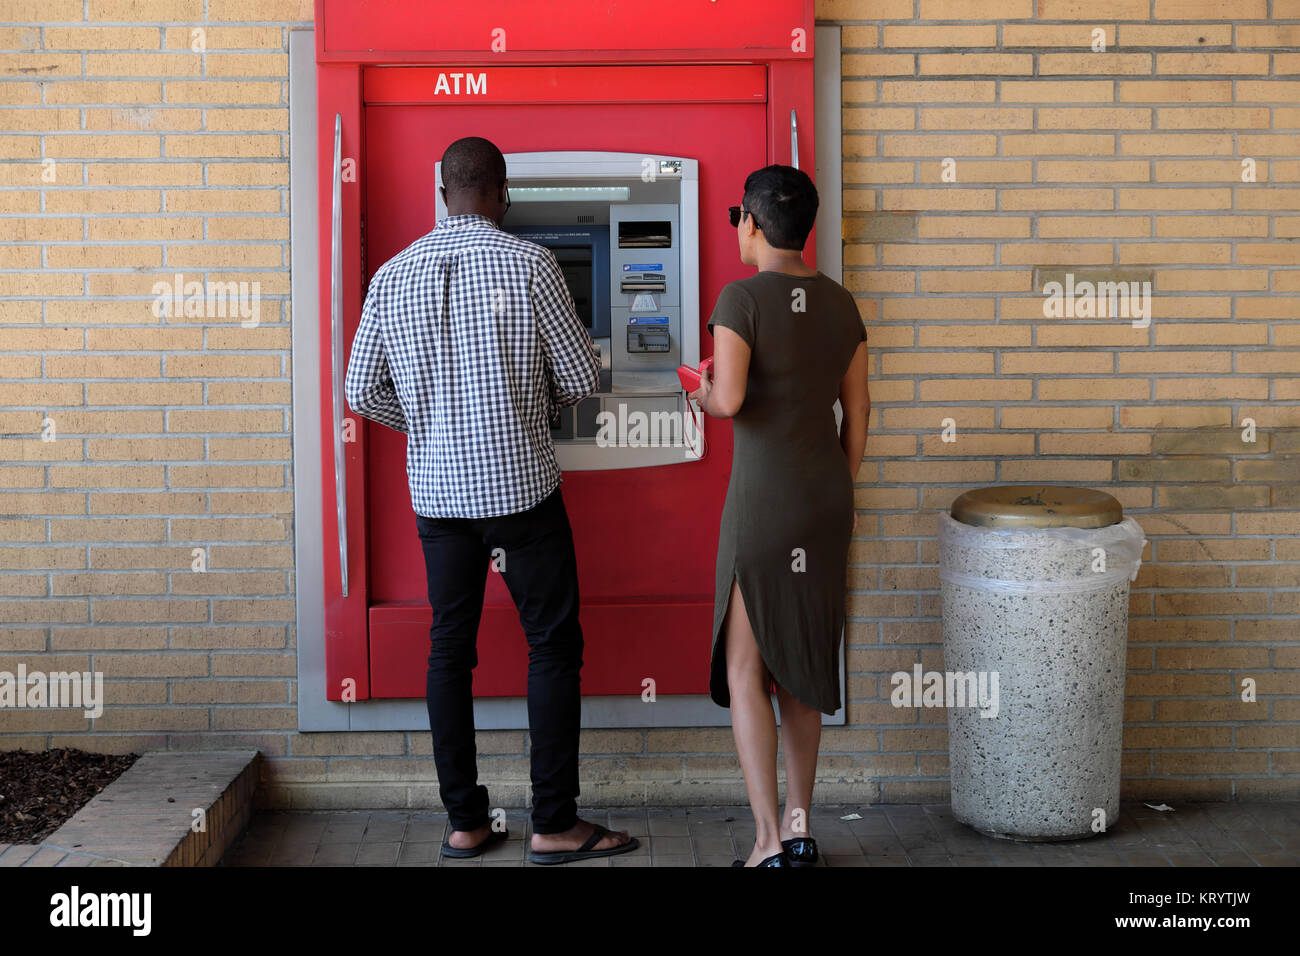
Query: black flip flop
[
  {"x": 584, "y": 852},
  {"x": 461, "y": 853}
]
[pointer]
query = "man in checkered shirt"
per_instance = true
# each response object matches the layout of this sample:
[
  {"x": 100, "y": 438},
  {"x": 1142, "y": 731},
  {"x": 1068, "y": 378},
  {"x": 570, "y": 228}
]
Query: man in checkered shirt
[{"x": 469, "y": 343}]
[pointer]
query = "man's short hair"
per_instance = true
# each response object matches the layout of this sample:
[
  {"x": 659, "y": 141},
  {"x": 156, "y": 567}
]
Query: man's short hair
[
  {"x": 784, "y": 202},
  {"x": 473, "y": 164}
]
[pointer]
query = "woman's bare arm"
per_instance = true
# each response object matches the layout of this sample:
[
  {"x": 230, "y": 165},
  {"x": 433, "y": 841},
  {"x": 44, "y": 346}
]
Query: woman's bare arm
[
  {"x": 722, "y": 392},
  {"x": 855, "y": 400}
]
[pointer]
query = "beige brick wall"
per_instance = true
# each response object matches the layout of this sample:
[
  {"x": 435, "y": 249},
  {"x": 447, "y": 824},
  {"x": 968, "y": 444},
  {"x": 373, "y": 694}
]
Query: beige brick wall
[
  {"x": 989, "y": 149},
  {"x": 135, "y": 149}
]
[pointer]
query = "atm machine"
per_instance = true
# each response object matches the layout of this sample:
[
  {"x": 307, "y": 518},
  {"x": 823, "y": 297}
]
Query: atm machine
[
  {"x": 626, "y": 138},
  {"x": 624, "y": 228}
]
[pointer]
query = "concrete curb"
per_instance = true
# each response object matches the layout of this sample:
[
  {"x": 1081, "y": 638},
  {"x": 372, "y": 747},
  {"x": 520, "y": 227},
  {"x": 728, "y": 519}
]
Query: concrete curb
[{"x": 146, "y": 817}]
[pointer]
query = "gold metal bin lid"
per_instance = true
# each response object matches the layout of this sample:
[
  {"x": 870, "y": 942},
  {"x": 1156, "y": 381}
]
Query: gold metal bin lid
[{"x": 1037, "y": 506}]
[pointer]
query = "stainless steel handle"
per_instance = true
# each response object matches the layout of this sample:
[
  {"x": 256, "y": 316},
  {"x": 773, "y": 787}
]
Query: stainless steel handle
[
  {"x": 336, "y": 343},
  {"x": 794, "y": 140}
]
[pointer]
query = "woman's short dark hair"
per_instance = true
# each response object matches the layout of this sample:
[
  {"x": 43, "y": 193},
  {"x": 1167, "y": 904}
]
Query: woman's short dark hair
[{"x": 784, "y": 202}]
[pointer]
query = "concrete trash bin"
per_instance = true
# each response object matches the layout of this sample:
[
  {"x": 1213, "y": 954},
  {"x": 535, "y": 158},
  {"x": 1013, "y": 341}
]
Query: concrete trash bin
[{"x": 1034, "y": 582}]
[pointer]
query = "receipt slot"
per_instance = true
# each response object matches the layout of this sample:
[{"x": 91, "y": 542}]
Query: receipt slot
[
  {"x": 624, "y": 228},
  {"x": 626, "y": 138}
]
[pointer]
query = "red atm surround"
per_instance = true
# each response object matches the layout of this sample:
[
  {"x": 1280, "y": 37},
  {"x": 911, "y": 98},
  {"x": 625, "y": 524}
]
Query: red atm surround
[{"x": 711, "y": 81}]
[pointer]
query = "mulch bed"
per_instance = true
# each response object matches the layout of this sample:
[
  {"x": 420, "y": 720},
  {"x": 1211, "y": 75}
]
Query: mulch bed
[{"x": 40, "y": 790}]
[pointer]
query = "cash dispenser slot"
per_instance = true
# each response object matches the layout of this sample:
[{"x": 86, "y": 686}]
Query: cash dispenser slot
[{"x": 647, "y": 282}]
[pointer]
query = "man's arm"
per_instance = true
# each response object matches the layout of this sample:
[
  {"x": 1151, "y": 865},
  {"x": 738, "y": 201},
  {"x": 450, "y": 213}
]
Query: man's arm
[
  {"x": 570, "y": 354},
  {"x": 369, "y": 386}
]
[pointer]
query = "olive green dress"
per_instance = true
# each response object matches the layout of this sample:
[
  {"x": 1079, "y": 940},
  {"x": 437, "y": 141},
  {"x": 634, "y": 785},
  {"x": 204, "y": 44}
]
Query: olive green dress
[{"x": 788, "y": 517}]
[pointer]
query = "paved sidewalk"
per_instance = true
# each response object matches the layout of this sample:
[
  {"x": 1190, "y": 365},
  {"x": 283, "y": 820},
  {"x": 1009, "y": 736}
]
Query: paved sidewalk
[
  {"x": 46, "y": 854},
  {"x": 1197, "y": 834}
]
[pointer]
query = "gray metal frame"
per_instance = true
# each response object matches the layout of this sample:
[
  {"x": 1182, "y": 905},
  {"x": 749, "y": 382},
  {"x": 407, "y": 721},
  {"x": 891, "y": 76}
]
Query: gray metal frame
[{"x": 315, "y": 713}]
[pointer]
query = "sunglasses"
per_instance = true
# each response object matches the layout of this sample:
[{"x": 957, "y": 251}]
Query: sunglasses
[{"x": 737, "y": 211}]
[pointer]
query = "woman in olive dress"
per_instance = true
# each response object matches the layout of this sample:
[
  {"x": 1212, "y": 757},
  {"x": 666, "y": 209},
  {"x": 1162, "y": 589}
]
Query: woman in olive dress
[{"x": 788, "y": 343}]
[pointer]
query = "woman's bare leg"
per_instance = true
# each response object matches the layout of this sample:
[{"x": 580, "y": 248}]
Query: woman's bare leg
[
  {"x": 801, "y": 734},
  {"x": 754, "y": 725}
]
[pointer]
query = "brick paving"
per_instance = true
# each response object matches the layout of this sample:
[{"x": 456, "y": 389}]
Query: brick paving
[
  {"x": 1202, "y": 834},
  {"x": 42, "y": 854}
]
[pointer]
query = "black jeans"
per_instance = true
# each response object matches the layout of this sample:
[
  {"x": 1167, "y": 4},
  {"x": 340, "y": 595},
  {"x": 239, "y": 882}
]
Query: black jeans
[{"x": 541, "y": 572}]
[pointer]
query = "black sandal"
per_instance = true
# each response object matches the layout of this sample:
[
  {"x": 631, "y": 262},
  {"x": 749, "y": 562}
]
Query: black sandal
[
  {"x": 801, "y": 851},
  {"x": 463, "y": 853},
  {"x": 584, "y": 852},
  {"x": 776, "y": 859}
]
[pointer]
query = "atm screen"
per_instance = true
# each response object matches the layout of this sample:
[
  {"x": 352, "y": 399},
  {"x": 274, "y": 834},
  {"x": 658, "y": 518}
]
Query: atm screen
[
  {"x": 575, "y": 263},
  {"x": 582, "y": 253}
]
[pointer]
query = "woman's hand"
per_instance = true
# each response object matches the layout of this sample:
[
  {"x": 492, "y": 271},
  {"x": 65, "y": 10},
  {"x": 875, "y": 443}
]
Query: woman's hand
[{"x": 701, "y": 394}]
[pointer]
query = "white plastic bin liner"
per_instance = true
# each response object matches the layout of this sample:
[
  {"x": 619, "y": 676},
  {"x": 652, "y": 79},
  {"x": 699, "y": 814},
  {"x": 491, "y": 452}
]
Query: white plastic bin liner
[{"x": 1059, "y": 559}]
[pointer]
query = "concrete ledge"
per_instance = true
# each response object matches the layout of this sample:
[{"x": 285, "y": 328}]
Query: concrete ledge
[
  {"x": 146, "y": 816},
  {"x": 398, "y": 794}
]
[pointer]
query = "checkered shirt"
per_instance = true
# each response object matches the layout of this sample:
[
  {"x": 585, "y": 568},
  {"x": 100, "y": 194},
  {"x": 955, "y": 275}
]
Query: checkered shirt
[{"x": 469, "y": 343}]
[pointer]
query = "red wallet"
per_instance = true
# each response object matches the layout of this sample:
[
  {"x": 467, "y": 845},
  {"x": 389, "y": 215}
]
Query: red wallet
[{"x": 689, "y": 377}]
